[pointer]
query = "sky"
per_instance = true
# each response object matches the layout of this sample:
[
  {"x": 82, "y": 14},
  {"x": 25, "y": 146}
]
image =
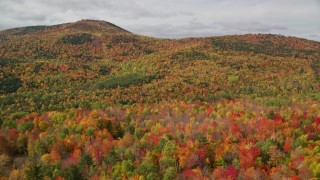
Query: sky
[{"x": 173, "y": 18}]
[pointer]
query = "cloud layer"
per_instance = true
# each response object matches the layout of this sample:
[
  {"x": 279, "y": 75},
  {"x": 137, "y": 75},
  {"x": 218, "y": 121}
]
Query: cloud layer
[{"x": 174, "y": 18}]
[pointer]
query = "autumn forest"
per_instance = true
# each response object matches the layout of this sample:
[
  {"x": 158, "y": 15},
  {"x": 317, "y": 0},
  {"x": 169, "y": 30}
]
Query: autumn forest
[{"x": 90, "y": 100}]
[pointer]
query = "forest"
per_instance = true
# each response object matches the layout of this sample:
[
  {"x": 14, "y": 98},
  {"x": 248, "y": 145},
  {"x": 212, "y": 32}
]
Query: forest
[{"x": 90, "y": 100}]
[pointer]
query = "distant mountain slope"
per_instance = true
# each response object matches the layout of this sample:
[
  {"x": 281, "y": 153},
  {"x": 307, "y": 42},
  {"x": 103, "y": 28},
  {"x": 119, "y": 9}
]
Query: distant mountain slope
[
  {"x": 89, "y": 26},
  {"x": 268, "y": 44},
  {"x": 83, "y": 40},
  {"x": 91, "y": 39}
]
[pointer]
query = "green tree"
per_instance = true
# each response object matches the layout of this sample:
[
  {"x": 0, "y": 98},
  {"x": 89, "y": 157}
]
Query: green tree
[
  {"x": 9, "y": 84},
  {"x": 170, "y": 173},
  {"x": 34, "y": 171}
]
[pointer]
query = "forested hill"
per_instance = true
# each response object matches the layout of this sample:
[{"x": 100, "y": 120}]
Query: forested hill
[
  {"x": 91, "y": 39},
  {"x": 90, "y": 100}
]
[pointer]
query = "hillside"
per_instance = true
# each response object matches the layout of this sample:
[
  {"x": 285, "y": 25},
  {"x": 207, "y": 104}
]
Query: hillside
[
  {"x": 91, "y": 40},
  {"x": 90, "y": 99}
]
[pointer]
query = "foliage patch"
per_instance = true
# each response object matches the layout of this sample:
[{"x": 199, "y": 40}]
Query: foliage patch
[
  {"x": 126, "y": 81},
  {"x": 9, "y": 84},
  {"x": 77, "y": 39}
]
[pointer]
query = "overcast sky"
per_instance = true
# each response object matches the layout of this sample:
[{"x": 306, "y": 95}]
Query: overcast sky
[{"x": 174, "y": 18}]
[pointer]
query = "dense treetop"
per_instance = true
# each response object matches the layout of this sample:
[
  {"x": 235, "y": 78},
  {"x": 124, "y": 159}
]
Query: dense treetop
[{"x": 91, "y": 100}]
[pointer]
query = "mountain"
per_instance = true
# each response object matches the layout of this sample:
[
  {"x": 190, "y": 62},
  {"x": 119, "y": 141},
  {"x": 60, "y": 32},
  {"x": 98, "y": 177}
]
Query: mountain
[
  {"x": 89, "y": 26},
  {"x": 91, "y": 100},
  {"x": 91, "y": 39},
  {"x": 80, "y": 40}
]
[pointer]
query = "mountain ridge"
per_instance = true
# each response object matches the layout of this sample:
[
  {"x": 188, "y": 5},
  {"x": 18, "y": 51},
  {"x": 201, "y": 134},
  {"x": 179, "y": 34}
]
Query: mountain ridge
[
  {"x": 88, "y": 22},
  {"x": 96, "y": 39},
  {"x": 84, "y": 24}
]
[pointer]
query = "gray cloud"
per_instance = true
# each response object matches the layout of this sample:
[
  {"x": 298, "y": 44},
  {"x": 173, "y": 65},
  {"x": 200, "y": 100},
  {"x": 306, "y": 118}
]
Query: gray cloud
[
  {"x": 314, "y": 35},
  {"x": 250, "y": 26},
  {"x": 196, "y": 29},
  {"x": 30, "y": 17},
  {"x": 173, "y": 18}
]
